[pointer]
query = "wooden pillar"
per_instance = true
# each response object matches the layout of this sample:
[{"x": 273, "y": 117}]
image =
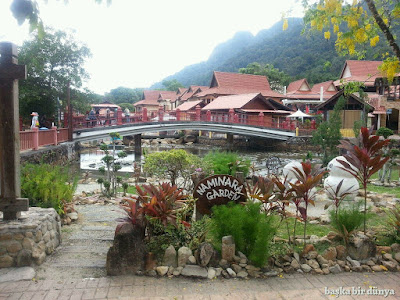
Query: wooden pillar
[
  {"x": 70, "y": 114},
  {"x": 144, "y": 114},
  {"x": 138, "y": 147},
  {"x": 11, "y": 203},
  {"x": 198, "y": 112},
  {"x": 231, "y": 115},
  {"x": 119, "y": 116},
  {"x": 55, "y": 137},
  {"x": 208, "y": 116},
  {"x": 178, "y": 114}
]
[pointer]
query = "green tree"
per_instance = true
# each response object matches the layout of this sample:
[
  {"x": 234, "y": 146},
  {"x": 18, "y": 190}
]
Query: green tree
[
  {"x": 358, "y": 24},
  {"x": 52, "y": 61},
  {"x": 172, "y": 164},
  {"x": 277, "y": 79},
  {"x": 172, "y": 85},
  {"x": 124, "y": 95},
  {"x": 328, "y": 135}
]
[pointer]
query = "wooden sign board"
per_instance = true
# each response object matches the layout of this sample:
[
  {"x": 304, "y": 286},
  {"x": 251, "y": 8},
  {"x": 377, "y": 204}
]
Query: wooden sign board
[{"x": 218, "y": 190}]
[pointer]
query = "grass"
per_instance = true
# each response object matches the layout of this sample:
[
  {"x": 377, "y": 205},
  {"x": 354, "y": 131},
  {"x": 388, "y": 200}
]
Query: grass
[
  {"x": 384, "y": 190},
  {"x": 131, "y": 190},
  {"x": 394, "y": 177},
  {"x": 312, "y": 229}
]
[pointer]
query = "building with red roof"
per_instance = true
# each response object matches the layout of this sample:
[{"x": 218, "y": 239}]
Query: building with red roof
[
  {"x": 149, "y": 100},
  {"x": 299, "y": 94},
  {"x": 224, "y": 83}
]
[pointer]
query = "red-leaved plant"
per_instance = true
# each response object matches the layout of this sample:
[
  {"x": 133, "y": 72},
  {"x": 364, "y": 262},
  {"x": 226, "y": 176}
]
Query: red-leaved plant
[
  {"x": 364, "y": 160},
  {"x": 308, "y": 177},
  {"x": 159, "y": 202}
]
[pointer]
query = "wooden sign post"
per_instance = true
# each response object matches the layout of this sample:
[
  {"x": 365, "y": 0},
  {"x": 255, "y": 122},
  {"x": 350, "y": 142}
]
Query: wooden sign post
[
  {"x": 218, "y": 190},
  {"x": 11, "y": 203}
]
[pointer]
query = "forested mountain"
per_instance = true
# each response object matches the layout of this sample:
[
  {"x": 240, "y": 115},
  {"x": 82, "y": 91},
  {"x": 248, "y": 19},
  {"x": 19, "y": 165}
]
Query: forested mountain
[{"x": 299, "y": 55}]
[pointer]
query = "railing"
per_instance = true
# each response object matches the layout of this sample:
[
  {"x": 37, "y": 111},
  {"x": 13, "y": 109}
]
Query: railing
[
  {"x": 259, "y": 120},
  {"x": 33, "y": 139}
]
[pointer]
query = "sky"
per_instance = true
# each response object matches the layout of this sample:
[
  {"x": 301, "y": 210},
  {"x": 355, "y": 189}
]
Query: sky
[{"x": 136, "y": 43}]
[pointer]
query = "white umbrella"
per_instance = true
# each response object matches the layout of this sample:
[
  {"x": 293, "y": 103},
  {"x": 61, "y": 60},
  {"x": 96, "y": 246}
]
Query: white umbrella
[{"x": 299, "y": 114}]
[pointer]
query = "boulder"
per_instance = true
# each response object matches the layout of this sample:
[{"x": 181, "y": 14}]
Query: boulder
[
  {"x": 313, "y": 264},
  {"x": 162, "y": 270},
  {"x": 390, "y": 265},
  {"x": 306, "y": 268},
  {"x": 335, "y": 269},
  {"x": 377, "y": 268},
  {"x": 330, "y": 253},
  {"x": 205, "y": 253},
  {"x": 211, "y": 273},
  {"x": 194, "y": 271},
  {"x": 242, "y": 274},
  {"x": 295, "y": 264},
  {"x": 308, "y": 248},
  {"x": 395, "y": 247},
  {"x": 340, "y": 252},
  {"x": 361, "y": 247},
  {"x": 127, "y": 254},
  {"x": 231, "y": 272},
  {"x": 183, "y": 256},
  {"x": 170, "y": 257},
  {"x": 397, "y": 256}
]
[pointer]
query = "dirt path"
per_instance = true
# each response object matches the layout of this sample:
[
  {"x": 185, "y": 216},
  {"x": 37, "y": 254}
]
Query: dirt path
[{"x": 84, "y": 246}]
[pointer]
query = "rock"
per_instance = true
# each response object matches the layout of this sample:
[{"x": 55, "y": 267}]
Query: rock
[
  {"x": 242, "y": 274},
  {"x": 231, "y": 272},
  {"x": 395, "y": 247},
  {"x": 162, "y": 270},
  {"x": 236, "y": 259},
  {"x": 390, "y": 265},
  {"x": 205, "y": 253},
  {"x": 366, "y": 268},
  {"x": 370, "y": 263},
  {"x": 335, "y": 269},
  {"x": 333, "y": 236},
  {"x": 313, "y": 264},
  {"x": 17, "y": 274},
  {"x": 73, "y": 216},
  {"x": 318, "y": 271},
  {"x": 295, "y": 264},
  {"x": 228, "y": 248},
  {"x": 170, "y": 271},
  {"x": 170, "y": 257},
  {"x": 183, "y": 256},
  {"x": 236, "y": 268},
  {"x": 354, "y": 263},
  {"x": 6, "y": 261},
  {"x": 308, "y": 248},
  {"x": 330, "y": 253},
  {"x": 243, "y": 261},
  {"x": 312, "y": 254},
  {"x": 151, "y": 273},
  {"x": 387, "y": 256},
  {"x": 194, "y": 271},
  {"x": 383, "y": 249},
  {"x": 296, "y": 256},
  {"x": 306, "y": 268},
  {"x": 340, "y": 252},
  {"x": 361, "y": 247},
  {"x": 191, "y": 260},
  {"x": 223, "y": 263},
  {"x": 314, "y": 239},
  {"x": 377, "y": 268},
  {"x": 347, "y": 268},
  {"x": 129, "y": 245},
  {"x": 397, "y": 256},
  {"x": 272, "y": 273},
  {"x": 211, "y": 273},
  {"x": 225, "y": 274},
  {"x": 341, "y": 263},
  {"x": 218, "y": 271},
  {"x": 24, "y": 258},
  {"x": 287, "y": 258},
  {"x": 321, "y": 260}
]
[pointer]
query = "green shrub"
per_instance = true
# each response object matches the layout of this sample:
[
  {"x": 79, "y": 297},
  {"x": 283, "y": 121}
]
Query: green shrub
[
  {"x": 251, "y": 230},
  {"x": 227, "y": 163},
  {"x": 392, "y": 228},
  {"x": 347, "y": 220},
  {"x": 47, "y": 186}
]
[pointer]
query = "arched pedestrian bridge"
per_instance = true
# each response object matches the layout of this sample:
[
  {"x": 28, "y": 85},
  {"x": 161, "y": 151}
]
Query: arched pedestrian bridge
[{"x": 88, "y": 134}]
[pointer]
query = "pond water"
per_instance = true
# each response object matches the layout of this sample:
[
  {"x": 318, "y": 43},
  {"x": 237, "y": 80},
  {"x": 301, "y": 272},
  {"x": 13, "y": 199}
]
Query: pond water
[{"x": 263, "y": 162}]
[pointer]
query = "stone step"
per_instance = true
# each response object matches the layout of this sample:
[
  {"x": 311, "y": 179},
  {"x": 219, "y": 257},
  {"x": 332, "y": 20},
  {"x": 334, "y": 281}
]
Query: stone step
[{"x": 85, "y": 249}]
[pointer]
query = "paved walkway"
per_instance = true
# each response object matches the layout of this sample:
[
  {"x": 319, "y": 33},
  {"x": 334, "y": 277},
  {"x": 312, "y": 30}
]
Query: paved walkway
[
  {"x": 295, "y": 286},
  {"x": 77, "y": 271}
]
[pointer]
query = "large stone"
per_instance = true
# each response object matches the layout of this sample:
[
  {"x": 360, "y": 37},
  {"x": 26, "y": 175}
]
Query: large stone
[
  {"x": 395, "y": 247},
  {"x": 205, "y": 253},
  {"x": 6, "y": 261},
  {"x": 377, "y": 268},
  {"x": 242, "y": 274},
  {"x": 397, "y": 256},
  {"x": 236, "y": 268},
  {"x": 313, "y": 264},
  {"x": 390, "y": 265},
  {"x": 183, "y": 256},
  {"x": 361, "y": 247},
  {"x": 73, "y": 216},
  {"x": 295, "y": 264},
  {"x": 354, "y": 263},
  {"x": 231, "y": 272},
  {"x": 24, "y": 258},
  {"x": 211, "y": 273},
  {"x": 194, "y": 271},
  {"x": 335, "y": 269},
  {"x": 228, "y": 248},
  {"x": 340, "y": 252},
  {"x": 306, "y": 268},
  {"x": 127, "y": 254},
  {"x": 330, "y": 253},
  {"x": 14, "y": 247},
  {"x": 162, "y": 270},
  {"x": 321, "y": 260},
  {"x": 170, "y": 257},
  {"x": 17, "y": 274},
  {"x": 308, "y": 248}
]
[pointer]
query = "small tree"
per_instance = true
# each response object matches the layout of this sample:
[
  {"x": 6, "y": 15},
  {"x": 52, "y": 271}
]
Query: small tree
[
  {"x": 328, "y": 135},
  {"x": 364, "y": 160},
  {"x": 172, "y": 164}
]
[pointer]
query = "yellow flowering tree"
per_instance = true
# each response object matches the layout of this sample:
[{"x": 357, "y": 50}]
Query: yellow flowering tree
[{"x": 356, "y": 24}]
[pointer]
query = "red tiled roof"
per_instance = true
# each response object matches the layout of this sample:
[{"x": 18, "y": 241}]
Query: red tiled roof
[
  {"x": 296, "y": 85},
  {"x": 365, "y": 71},
  {"x": 238, "y": 80},
  {"x": 189, "y": 105},
  {"x": 149, "y": 97},
  {"x": 192, "y": 91},
  {"x": 232, "y": 101},
  {"x": 236, "y": 91},
  {"x": 167, "y": 95},
  {"x": 180, "y": 91},
  {"x": 325, "y": 86}
]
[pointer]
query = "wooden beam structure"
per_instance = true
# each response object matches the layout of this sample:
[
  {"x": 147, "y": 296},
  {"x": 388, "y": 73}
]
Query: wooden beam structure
[{"x": 11, "y": 202}]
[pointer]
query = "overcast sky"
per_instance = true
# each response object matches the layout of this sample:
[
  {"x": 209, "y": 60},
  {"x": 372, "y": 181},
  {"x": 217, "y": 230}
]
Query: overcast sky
[{"x": 136, "y": 43}]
